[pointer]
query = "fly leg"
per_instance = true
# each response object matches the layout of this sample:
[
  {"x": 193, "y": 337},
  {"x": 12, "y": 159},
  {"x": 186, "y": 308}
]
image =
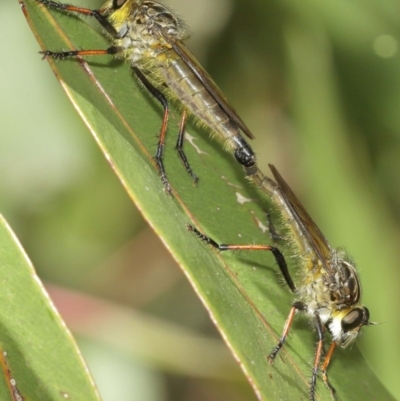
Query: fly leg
[
  {"x": 297, "y": 306},
  {"x": 275, "y": 236},
  {"x": 96, "y": 14},
  {"x": 318, "y": 353},
  {"x": 179, "y": 147},
  {"x": 324, "y": 369},
  {"x": 161, "y": 139},
  {"x": 280, "y": 260},
  {"x": 77, "y": 53}
]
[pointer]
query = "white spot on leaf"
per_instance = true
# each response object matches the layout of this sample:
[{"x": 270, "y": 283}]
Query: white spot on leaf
[
  {"x": 191, "y": 140},
  {"x": 241, "y": 199}
]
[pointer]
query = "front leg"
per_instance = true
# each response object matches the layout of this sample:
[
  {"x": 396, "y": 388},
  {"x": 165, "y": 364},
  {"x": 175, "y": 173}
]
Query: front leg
[
  {"x": 77, "y": 53},
  {"x": 97, "y": 14},
  {"x": 297, "y": 306},
  {"x": 318, "y": 353},
  {"x": 324, "y": 369}
]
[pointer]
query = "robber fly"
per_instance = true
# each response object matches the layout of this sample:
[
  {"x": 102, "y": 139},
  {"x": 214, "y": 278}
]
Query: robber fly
[
  {"x": 329, "y": 290},
  {"x": 150, "y": 36}
]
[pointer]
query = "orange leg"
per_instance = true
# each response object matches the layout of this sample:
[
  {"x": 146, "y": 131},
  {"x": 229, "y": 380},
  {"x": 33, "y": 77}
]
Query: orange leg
[
  {"x": 324, "y": 369},
  {"x": 97, "y": 14},
  {"x": 76, "y": 53},
  {"x": 297, "y": 306},
  {"x": 318, "y": 353},
  {"x": 160, "y": 149},
  {"x": 179, "y": 147},
  {"x": 280, "y": 260},
  {"x": 161, "y": 139}
]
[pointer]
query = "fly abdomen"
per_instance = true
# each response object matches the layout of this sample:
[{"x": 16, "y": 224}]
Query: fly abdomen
[{"x": 199, "y": 102}]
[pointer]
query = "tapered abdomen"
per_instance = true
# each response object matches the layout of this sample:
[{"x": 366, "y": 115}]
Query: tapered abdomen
[{"x": 196, "y": 98}]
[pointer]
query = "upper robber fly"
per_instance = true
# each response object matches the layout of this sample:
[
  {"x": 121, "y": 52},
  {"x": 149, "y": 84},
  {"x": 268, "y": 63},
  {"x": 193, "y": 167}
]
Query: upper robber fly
[
  {"x": 329, "y": 289},
  {"x": 150, "y": 36}
]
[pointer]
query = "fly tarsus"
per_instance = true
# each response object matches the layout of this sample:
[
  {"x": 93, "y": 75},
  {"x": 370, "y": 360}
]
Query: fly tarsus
[
  {"x": 54, "y": 4},
  {"x": 325, "y": 379},
  {"x": 324, "y": 368},
  {"x": 58, "y": 55},
  {"x": 204, "y": 238},
  {"x": 179, "y": 148},
  {"x": 158, "y": 158},
  {"x": 185, "y": 162}
]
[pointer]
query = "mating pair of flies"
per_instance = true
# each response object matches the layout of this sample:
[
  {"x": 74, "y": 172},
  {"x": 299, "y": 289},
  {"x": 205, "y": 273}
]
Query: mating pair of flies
[{"x": 149, "y": 36}]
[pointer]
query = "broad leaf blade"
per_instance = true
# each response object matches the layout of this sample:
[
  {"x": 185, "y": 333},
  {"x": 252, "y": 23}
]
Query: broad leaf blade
[
  {"x": 241, "y": 292},
  {"x": 41, "y": 353}
]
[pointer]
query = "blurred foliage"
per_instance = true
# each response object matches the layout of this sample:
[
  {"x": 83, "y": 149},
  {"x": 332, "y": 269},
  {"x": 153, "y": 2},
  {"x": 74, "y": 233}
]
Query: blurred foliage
[
  {"x": 34, "y": 338},
  {"x": 317, "y": 82}
]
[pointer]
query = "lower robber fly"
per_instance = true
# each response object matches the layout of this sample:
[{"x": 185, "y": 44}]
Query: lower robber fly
[
  {"x": 329, "y": 290},
  {"x": 150, "y": 37}
]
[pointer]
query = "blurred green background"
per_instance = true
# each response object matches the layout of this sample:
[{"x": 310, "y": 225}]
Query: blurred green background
[{"x": 319, "y": 85}]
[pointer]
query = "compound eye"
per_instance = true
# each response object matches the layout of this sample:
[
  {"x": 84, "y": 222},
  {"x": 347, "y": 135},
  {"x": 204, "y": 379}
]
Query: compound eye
[
  {"x": 118, "y": 4},
  {"x": 366, "y": 312},
  {"x": 353, "y": 320}
]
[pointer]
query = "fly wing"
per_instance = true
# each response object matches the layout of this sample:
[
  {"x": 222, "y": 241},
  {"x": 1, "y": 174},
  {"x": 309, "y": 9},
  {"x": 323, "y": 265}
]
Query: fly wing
[
  {"x": 309, "y": 229},
  {"x": 185, "y": 54}
]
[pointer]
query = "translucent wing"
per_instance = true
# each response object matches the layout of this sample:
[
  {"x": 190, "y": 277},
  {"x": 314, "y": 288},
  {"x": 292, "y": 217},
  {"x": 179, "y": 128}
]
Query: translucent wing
[
  {"x": 309, "y": 229},
  {"x": 208, "y": 83}
]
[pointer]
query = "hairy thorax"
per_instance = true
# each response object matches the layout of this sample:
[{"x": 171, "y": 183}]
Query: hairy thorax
[
  {"x": 337, "y": 291},
  {"x": 143, "y": 28}
]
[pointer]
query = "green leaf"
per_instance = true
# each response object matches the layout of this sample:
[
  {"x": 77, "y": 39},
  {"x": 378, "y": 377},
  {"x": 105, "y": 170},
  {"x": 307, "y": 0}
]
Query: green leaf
[
  {"x": 242, "y": 293},
  {"x": 41, "y": 353}
]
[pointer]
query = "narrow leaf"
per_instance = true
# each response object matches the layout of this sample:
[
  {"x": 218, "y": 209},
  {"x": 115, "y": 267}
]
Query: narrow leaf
[
  {"x": 41, "y": 354},
  {"x": 242, "y": 292}
]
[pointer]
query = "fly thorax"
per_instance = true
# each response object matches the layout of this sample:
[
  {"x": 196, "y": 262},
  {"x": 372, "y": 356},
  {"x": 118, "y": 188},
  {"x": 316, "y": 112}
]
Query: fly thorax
[
  {"x": 314, "y": 292},
  {"x": 148, "y": 29},
  {"x": 138, "y": 40},
  {"x": 344, "y": 285}
]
